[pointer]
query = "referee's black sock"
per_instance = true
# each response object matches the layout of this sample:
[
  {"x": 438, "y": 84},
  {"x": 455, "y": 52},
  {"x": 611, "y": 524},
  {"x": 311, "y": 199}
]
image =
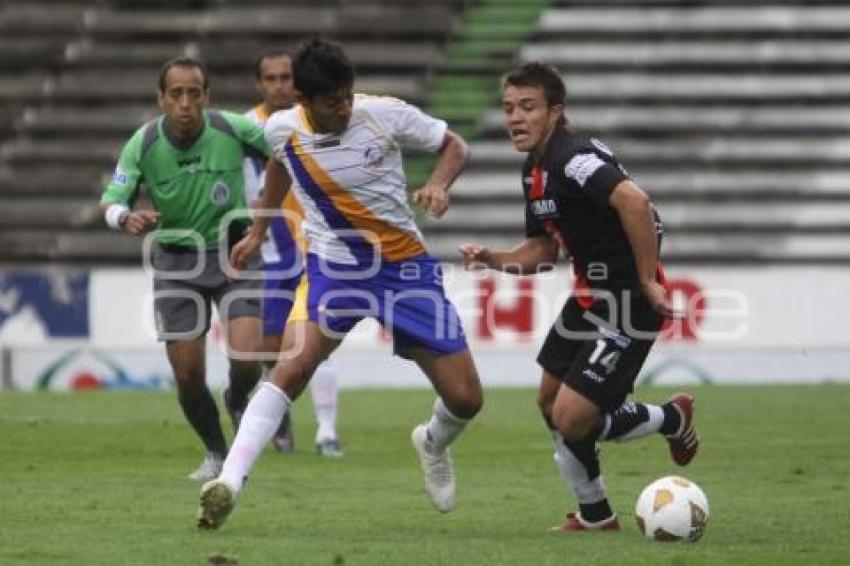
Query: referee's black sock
[
  {"x": 202, "y": 413},
  {"x": 243, "y": 379}
]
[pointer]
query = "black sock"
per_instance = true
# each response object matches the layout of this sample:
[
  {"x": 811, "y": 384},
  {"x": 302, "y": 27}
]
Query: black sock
[
  {"x": 625, "y": 419},
  {"x": 202, "y": 413},
  {"x": 586, "y": 453},
  {"x": 672, "y": 420},
  {"x": 242, "y": 382}
]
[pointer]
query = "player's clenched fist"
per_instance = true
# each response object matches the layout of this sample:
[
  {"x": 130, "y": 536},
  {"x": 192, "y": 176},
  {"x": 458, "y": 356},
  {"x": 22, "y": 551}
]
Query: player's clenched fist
[
  {"x": 433, "y": 199},
  {"x": 140, "y": 221}
]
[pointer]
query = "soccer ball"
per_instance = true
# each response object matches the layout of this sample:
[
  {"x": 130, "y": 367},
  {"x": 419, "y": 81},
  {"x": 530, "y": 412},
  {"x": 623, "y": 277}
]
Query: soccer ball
[{"x": 672, "y": 509}]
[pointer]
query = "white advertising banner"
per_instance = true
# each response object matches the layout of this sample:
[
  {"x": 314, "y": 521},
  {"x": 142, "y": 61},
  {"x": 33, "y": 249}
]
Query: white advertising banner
[{"x": 739, "y": 326}]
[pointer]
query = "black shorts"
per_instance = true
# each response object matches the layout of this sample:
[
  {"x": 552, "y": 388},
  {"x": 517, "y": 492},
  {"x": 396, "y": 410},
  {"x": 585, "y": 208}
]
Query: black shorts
[
  {"x": 184, "y": 290},
  {"x": 599, "y": 353}
]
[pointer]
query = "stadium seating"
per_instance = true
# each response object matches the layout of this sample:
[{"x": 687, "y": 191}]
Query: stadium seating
[
  {"x": 77, "y": 77},
  {"x": 732, "y": 115}
]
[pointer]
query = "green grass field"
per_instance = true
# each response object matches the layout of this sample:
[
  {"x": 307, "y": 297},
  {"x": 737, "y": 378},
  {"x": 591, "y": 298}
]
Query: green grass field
[{"x": 100, "y": 479}]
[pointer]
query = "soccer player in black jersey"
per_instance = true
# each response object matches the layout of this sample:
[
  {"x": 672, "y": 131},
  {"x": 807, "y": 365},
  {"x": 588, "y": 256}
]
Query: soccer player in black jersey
[{"x": 580, "y": 200}]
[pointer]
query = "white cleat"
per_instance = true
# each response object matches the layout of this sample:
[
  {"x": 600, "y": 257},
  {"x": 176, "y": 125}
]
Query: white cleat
[
  {"x": 217, "y": 501},
  {"x": 437, "y": 469},
  {"x": 209, "y": 469}
]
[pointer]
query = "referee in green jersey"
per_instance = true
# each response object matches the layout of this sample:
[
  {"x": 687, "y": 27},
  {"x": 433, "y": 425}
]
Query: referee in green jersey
[{"x": 190, "y": 161}]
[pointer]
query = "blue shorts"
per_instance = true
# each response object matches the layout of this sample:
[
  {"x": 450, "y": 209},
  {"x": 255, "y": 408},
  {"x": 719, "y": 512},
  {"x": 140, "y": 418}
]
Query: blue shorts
[
  {"x": 278, "y": 297},
  {"x": 406, "y": 297}
]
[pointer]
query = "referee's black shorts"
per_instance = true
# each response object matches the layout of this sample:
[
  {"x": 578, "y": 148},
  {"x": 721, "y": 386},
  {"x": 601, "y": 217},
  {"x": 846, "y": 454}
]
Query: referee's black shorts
[{"x": 599, "y": 352}]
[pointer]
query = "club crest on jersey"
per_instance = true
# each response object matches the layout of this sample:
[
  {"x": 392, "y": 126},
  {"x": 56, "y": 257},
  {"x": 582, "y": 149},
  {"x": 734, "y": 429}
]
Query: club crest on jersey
[
  {"x": 220, "y": 193},
  {"x": 373, "y": 155},
  {"x": 119, "y": 177}
]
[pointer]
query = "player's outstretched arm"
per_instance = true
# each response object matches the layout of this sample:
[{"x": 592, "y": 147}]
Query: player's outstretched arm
[
  {"x": 434, "y": 195},
  {"x": 532, "y": 255}
]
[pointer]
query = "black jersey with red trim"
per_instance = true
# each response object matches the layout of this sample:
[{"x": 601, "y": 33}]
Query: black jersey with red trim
[{"x": 567, "y": 198}]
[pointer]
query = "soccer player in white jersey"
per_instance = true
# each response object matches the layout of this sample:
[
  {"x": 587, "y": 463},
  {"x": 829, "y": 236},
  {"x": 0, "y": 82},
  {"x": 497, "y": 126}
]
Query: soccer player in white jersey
[
  {"x": 283, "y": 258},
  {"x": 341, "y": 155}
]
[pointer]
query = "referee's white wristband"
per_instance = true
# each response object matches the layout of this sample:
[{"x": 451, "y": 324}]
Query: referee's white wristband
[{"x": 115, "y": 214}]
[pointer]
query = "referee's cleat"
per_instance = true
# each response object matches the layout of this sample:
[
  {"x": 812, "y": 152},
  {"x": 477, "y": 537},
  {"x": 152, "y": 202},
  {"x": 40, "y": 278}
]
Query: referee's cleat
[
  {"x": 210, "y": 467},
  {"x": 438, "y": 470},
  {"x": 576, "y": 523},
  {"x": 685, "y": 442},
  {"x": 217, "y": 501}
]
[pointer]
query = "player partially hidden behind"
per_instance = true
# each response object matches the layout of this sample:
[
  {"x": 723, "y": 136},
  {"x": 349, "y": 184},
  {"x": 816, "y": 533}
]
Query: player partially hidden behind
[
  {"x": 341, "y": 155},
  {"x": 190, "y": 159},
  {"x": 283, "y": 258},
  {"x": 580, "y": 201}
]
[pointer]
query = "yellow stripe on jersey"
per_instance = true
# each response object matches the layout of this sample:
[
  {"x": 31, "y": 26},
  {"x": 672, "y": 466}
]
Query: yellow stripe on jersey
[
  {"x": 293, "y": 215},
  {"x": 394, "y": 244},
  {"x": 305, "y": 120},
  {"x": 261, "y": 112}
]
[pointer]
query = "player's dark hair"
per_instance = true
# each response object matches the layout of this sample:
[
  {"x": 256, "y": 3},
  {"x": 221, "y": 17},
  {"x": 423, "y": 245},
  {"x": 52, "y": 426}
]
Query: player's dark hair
[
  {"x": 321, "y": 68},
  {"x": 540, "y": 75},
  {"x": 269, "y": 53},
  {"x": 183, "y": 61}
]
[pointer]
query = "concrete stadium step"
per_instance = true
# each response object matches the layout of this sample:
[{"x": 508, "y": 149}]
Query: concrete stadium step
[
  {"x": 51, "y": 213},
  {"x": 680, "y": 150},
  {"x": 690, "y": 118},
  {"x": 33, "y": 18},
  {"x": 471, "y": 217},
  {"x": 66, "y": 246},
  {"x": 687, "y": 184},
  {"x": 238, "y": 55},
  {"x": 729, "y": 55},
  {"x": 720, "y": 249},
  {"x": 139, "y": 86},
  {"x": 59, "y": 152},
  {"x": 36, "y": 179},
  {"x": 339, "y": 21},
  {"x": 713, "y": 88},
  {"x": 798, "y": 18},
  {"x": 27, "y": 87},
  {"x": 63, "y": 121},
  {"x": 24, "y": 53}
]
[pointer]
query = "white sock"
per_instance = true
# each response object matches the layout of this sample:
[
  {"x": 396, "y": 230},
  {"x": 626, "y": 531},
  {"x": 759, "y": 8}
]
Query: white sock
[
  {"x": 259, "y": 422},
  {"x": 575, "y": 474},
  {"x": 324, "y": 390},
  {"x": 444, "y": 427}
]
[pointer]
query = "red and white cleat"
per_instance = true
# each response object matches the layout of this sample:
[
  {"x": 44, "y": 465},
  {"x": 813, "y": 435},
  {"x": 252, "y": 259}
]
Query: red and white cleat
[
  {"x": 574, "y": 522},
  {"x": 684, "y": 444}
]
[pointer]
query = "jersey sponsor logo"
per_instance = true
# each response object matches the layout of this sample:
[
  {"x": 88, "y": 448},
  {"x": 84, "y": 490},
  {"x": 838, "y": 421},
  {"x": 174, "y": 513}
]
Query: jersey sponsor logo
[
  {"x": 220, "y": 193},
  {"x": 119, "y": 177},
  {"x": 593, "y": 376},
  {"x": 543, "y": 207},
  {"x": 186, "y": 161},
  {"x": 582, "y": 166}
]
